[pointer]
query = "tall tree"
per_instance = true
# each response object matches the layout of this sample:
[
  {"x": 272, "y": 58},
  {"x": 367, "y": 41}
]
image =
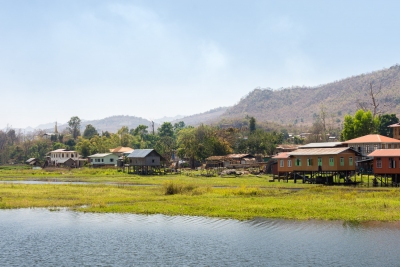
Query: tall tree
[
  {"x": 166, "y": 129},
  {"x": 74, "y": 126},
  {"x": 252, "y": 124},
  {"x": 89, "y": 131},
  {"x": 362, "y": 123},
  {"x": 384, "y": 121}
]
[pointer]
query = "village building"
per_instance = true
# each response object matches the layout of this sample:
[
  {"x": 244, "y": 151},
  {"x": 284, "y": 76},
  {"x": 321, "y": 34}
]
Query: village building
[
  {"x": 323, "y": 145},
  {"x": 285, "y": 148},
  {"x": 232, "y": 161},
  {"x": 368, "y": 143},
  {"x": 144, "y": 161},
  {"x": 121, "y": 150},
  {"x": 386, "y": 166},
  {"x": 396, "y": 130},
  {"x": 103, "y": 159},
  {"x": 59, "y": 157},
  {"x": 317, "y": 165},
  {"x": 34, "y": 162}
]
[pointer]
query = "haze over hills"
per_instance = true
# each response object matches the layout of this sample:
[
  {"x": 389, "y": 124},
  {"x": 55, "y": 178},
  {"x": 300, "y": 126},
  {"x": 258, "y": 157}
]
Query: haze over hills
[
  {"x": 293, "y": 106},
  {"x": 301, "y": 104}
]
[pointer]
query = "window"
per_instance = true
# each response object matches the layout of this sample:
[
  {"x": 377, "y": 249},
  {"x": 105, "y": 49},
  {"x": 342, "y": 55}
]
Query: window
[
  {"x": 331, "y": 161},
  {"x": 351, "y": 161},
  {"x": 102, "y": 160},
  {"x": 392, "y": 163},
  {"x": 378, "y": 163},
  {"x": 111, "y": 160},
  {"x": 282, "y": 164},
  {"x": 375, "y": 147},
  {"x": 298, "y": 162},
  {"x": 289, "y": 163},
  {"x": 341, "y": 161},
  {"x": 152, "y": 161},
  {"x": 319, "y": 161},
  {"x": 367, "y": 148},
  {"x": 309, "y": 162}
]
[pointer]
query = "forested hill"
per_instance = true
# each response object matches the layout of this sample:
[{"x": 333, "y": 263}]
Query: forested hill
[
  {"x": 301, "y": 104},
  {"x": 207, "y": 117}
]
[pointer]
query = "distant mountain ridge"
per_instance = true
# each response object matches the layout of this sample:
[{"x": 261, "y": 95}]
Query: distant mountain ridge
[
  {"x": 289, "y": 106},
  {"x": 301, "y": 104},
  {"x": 111, "y": 124}
]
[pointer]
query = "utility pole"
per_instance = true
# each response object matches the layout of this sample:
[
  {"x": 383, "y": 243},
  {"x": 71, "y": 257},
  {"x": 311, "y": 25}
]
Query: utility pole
[{"x": 152, "y": 125}]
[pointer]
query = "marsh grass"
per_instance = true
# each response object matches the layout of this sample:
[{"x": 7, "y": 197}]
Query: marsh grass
[{"x": 243, "y": 202}]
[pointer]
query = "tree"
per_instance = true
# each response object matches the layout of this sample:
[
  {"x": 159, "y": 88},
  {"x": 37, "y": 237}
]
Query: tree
[
  {"x": 74, "y": 126},
  {"x": 362, "y": 123},
  {"x": 89, "y": 132},
  {"x": 179, "y": 126},
  {"x": 83, "y": 147},
  {"x": 166, "y": 129},
  {"x": 252, "y": 124},
  {"x": 384, "y": 121},
  {"x": 200, "y": 143}
]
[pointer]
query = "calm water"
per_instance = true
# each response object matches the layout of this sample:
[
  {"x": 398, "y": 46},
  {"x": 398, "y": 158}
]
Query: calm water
[{"x": 38, "y": 237}]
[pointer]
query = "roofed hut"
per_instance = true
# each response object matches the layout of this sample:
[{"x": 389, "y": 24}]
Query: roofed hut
[{"x": 145, "y": 161}]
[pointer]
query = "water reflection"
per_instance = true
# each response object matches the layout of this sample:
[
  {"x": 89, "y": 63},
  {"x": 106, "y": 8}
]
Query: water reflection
[{"x": 39, "y": 237}]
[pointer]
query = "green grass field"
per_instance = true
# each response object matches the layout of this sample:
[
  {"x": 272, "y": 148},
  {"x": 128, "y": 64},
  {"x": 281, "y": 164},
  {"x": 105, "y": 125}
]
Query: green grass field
[{"x": 243, "y": 197}]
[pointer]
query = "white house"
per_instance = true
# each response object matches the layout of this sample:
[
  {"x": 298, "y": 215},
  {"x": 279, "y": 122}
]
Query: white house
[
  {"x": 59, "y": 156},
  {"x": 103, "y": 159}
]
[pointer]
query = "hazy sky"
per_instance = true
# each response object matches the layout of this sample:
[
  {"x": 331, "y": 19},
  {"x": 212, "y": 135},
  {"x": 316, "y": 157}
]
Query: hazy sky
[{"x": 150, "y": 59}]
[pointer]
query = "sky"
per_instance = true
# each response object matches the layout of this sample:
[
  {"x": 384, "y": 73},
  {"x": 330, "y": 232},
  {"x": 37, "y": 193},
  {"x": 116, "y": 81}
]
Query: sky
[{"x": 94, "y": 59}]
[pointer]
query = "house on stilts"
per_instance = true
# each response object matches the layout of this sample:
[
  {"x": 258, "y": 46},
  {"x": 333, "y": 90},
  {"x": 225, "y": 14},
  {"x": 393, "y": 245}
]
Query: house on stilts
[{"x": 144, "y": 161}]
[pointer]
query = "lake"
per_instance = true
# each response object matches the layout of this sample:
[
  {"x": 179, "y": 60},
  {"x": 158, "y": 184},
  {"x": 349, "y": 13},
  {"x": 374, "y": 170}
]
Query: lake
[{"x": 40, "y": 237}]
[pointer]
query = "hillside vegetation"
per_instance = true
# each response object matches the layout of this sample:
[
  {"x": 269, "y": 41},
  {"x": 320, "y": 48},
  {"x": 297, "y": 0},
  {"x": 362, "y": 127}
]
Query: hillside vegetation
[{"x": 299, "y": 105}]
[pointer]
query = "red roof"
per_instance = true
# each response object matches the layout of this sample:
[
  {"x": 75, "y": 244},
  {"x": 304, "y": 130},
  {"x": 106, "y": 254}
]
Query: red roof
[
  {"x": 372, "y": 138},
  {"x": 282, "y": 155},
  {"x": 385, "y": 153}
]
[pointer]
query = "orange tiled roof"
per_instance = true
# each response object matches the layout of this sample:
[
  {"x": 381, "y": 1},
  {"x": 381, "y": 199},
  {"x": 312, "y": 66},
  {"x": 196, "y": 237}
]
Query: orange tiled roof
[
  {"x": 372, "y": 138},
  {"x": 385, "y": 153}
]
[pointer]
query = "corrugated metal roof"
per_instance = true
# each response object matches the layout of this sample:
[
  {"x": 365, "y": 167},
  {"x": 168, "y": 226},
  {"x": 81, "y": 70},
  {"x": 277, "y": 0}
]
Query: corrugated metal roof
[
  {"x": 321, "y": 145},
  {"x": 372, "y": 138},
  {"x": 140, "y": 153},
  {"x": 229, "y": 156},
  {"x": 64, "y": 160},
  {"x": 318, "y": 151},
  {"x": 385, "y": 153},
  {"x": 29, "y": 160},
  {"x": 395, "y": 125},
  {"x": 99, "y": 155}
]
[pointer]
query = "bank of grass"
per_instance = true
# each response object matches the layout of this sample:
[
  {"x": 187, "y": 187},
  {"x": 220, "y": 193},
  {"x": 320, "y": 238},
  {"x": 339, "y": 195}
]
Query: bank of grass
[
  {"x": 99, "y": 175},
  {"x": 199, "y": 199}
]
